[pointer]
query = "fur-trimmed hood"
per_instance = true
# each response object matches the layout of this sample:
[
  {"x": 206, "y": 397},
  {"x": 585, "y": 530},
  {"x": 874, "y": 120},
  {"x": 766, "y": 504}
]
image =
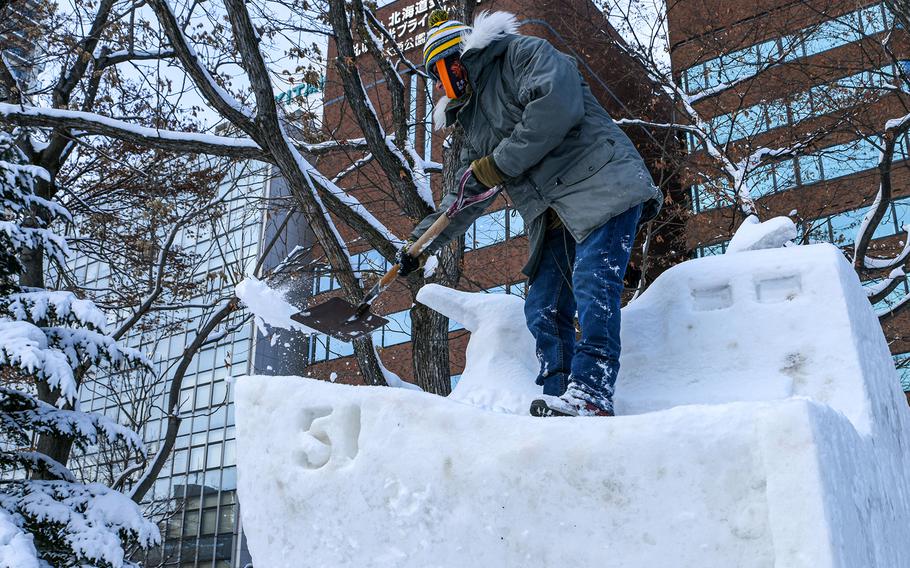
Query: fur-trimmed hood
[{"x": 488, "y": 27}]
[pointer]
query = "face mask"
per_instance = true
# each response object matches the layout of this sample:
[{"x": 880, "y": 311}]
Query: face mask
[{"x": 453, "y": 76}]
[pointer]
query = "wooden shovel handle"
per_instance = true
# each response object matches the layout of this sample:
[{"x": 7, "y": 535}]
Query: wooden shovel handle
[
  {"x": 427, "y": 237},
  {"x": 389, "y": 276},
  {"x": 415, "y": 249}
]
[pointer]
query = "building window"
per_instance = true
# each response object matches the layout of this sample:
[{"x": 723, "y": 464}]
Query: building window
[
  {"x": 846, "y": 159},
  {"x": 368, "y": 261},
  {"x": 711, "y": 195},
  {"x": 516, "y": 224},
  {"x": 398, "y": 330},
  {"x": 324, "y": 281},
  {"x": 905, "y": 66},
  {"x": 840, "y": 229},
  {"x": 519, "y": 288},
  {"x": 832, "y": 33}
]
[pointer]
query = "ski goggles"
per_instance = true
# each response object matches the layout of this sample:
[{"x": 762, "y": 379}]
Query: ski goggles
[{"x": 451, "y": 73}]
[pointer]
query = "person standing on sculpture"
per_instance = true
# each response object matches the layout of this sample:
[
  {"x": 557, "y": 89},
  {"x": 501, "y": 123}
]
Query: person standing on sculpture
[{"x": 533, "y": 127}]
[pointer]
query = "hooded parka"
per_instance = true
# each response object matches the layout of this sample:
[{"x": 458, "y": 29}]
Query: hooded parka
[{"x": 558, "y": 149}]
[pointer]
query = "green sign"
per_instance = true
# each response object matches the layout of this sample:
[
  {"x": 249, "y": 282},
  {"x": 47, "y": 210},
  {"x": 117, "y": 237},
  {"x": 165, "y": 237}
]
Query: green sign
[{"x": 302, "y": 90}]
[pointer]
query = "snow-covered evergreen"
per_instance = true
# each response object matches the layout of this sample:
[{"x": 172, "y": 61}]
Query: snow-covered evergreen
[{"x": 48, "y": 339}]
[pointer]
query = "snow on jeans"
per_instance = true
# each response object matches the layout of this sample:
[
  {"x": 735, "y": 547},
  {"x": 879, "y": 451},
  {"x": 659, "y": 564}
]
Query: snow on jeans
[{"x": 585, "y": 277}]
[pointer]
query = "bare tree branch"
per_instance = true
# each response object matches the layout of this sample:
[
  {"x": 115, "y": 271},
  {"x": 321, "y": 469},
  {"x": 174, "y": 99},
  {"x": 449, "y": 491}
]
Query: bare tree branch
[
  {"x": 216, "y": 96},
  {"x": 162, "y": 269},
  {"x": 71, "y": 76},
  {"x": 173, "y": 407},
  {"x": 893, "y": 130}
]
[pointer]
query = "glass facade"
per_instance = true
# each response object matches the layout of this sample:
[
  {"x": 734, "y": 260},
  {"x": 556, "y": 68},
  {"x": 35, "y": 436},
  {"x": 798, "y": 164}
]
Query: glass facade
[
  {"x": 841, "y": 228},
  {"x": 823, "y": 165},
  {"x": 833, "y": 97},
  {"x": 711, "y": 250},
  {"x": 819, "y": 100},
  {"x": 811, "y": 40},
  {"x": 22, "y": 50},
  {"x": 194, "y": 498}
]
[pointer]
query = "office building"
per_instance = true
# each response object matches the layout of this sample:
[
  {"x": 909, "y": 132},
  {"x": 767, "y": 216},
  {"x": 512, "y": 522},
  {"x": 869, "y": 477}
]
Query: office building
[{"x": 194, "y": 499}]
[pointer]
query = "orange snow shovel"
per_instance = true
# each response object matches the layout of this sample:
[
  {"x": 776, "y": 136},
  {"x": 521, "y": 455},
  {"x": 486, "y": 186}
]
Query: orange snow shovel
[{"x": 344, "y": 321}]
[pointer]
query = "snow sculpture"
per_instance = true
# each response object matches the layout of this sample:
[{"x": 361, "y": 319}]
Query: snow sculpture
[
  {"x": 501, "y": 363},
  {"x": 761, "y": 424}
]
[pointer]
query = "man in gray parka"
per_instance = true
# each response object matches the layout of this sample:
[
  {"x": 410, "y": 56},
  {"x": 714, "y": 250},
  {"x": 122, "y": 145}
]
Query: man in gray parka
[{"x": 533, "y": 127}]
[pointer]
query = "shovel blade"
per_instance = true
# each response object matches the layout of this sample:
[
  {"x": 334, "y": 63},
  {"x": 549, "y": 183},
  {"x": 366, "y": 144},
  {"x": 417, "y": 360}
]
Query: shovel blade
[{"x": 339, "y": 319}]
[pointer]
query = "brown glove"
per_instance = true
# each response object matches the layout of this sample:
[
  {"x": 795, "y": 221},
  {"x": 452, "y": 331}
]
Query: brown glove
[{"x": 486, "y": 172}]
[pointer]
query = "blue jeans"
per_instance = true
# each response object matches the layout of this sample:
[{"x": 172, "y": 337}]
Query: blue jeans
[{"x": 585, "y": 278}]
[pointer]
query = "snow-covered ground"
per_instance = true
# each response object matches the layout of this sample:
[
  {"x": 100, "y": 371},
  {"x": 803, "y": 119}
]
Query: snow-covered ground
[{"x": 760, "y": 424}]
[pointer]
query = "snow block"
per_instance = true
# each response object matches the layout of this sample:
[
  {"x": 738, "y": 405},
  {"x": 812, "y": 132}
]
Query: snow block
[
  {"x": 761, "y": 425},
  {"x": 753, "y": 234},
  {"x": 758, "y": 325}
]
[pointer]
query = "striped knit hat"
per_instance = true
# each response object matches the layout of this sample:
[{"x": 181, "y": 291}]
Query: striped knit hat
[{"x": 443, "y": 38}]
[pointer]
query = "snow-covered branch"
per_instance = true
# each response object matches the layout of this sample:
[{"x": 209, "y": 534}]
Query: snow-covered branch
[
  {"x": 355, "y": 166},
  {"x": 883, "y": 289},
  {"x": 329, "y": 146},
  {"x": 666, "y": 125},
  {"x": 118, "y": 57},
  {"x": 91, "y": 123}
]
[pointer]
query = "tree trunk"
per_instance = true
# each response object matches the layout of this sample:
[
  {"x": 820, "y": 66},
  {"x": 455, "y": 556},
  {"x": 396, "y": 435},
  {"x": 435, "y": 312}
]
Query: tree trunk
[
  {"x": 369, "y": 362},
  {"x": 430, "y": 329},
  {"x": 431, "y": 351},
  {"x": 32, "y": 276}
]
